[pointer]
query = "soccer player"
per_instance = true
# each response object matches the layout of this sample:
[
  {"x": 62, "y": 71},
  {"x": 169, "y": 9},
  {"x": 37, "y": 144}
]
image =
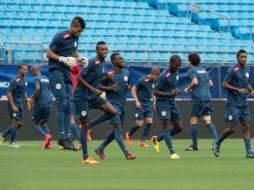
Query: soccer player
[
  {"x": 142, "y": 93},
  {"x": 62, "y": 54},
  {"x": 201, "y": 99},
  {"x": 165, "y": 92},
  {"x": 116, "y": 84},
  {"x": 16, "y": 95},
  {"x": 87, "y": 95},
  {"x": 237, "y": 110},
  {"x": 41, "y": 99}
]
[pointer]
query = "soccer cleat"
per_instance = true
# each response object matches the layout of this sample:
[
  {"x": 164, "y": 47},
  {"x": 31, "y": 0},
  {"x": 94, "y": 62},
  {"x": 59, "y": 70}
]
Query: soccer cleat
[
  {"x": 2, "y": 139},
  {"x": 191, "y": 148},
  {"x": 88, "y": 136},
  {"x": 63, "y": 144},
  {"x": 143, "y": 144},
  {"x": 14, "y": 145},
  {"x": 250, "y": 155},
  {"x": 128, "y": 139},
  {"x": 89, "y": 160},
  {"x": 79, "y": 147},
  {"x": 100, "y": 154},
  {"x": 50, "y": 146},
  {"x": 216, "y": 149},
  {"x": 156, "y": 144},
  {"x": 47, "y": 140},
  {"x": 71, "y": 145},
  {"x": 174, "y": 157},
  {"x": 130, "y": 156}
]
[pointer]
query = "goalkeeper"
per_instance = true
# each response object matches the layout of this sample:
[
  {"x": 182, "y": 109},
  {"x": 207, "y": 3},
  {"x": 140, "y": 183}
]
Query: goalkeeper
[{"x": 62, "y": 54}]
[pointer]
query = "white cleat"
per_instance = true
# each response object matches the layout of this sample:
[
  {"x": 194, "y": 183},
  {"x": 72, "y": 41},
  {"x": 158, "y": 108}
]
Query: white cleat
[
  {"x": 174, "y": 157},
  {"x": 14, "y": 145}
]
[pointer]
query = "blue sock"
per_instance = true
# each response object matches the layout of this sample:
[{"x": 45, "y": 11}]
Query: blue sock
[
  {"x": 39, "y": 129},
  {"x": 220, "y": 139},
  {"x": 133, "y": 129},
  {"x": 109, "y": 138},
  {"x": 119, "y": 140},
  {"x": 168, "y": 142},
  {"x": 160, "y": 137},
  {"x": 46, "y": 129},
  {"x": 60, "y": 123},
  {"x": 97, "y": 120},
  {"x": 173, "y": 132},
  {"x": 6, "y": 131},
  {"x": 13, "y": 133},
  {"x": 146, "y": 131},
  {"x": 247, "y": 143},
  {"x": 194, "y": 134},
  {"x": 213, "y": 131},
  {"x": 75, "y": 130},
  {"x": 83, "y": 140},
  {"x": 67, "y": 125}
]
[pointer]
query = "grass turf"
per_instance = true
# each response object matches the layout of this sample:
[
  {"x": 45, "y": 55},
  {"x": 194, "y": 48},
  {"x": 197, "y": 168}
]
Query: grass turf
[{"x": 30, "y": 167}]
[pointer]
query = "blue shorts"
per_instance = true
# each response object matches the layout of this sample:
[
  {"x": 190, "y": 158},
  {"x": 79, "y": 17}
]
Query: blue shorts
[
  {"x": 143, "y": 112},
  {"x": 18, "y": 115},
  {"x": 41, "y": 115},
  {"x": 201, "y": 108},
  {"x": 62, "y": 89},
  {"x": 236, "y": 115},
  {"x": 168, "y": 111},
  {"x": 81, "y": 109},
  {"x": 119, "y": 118},
  {"x": 96, "y": 102},
  {"x": 73, "y": 111}
]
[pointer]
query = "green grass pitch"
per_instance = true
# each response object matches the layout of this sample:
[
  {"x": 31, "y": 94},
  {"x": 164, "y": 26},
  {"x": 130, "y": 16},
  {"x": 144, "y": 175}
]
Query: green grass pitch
[{"x": 31, "y": 168}]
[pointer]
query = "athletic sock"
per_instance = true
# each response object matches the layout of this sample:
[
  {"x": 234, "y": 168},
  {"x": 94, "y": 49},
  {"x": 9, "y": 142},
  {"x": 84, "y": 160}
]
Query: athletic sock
[
  {"x": 67, "y": 125},
  {"x": 6, "y": 131},
  {"x": 39, "y": 129},
  {"x": 160, "y": 137},
  {"x": 168, "y": 142},
  {"x": 133, "y": 129},
  {"x": 76, "y": 131},
  {"x": 83, "y": 140},
  {"x": 173, "y": 131},
  {"x": 119, "y": 140},
  {"x": 194, "y": 134},
  {"x": 247, "y": 143},
  {"x": 60, "y": 123},
  {"x": 109, "y": 138},
  {"x": 213, "y": 131},
  {"x": 146, "y": 131},
  {"x": 46, "y": 129},
  {"x": 13, "y": 133}
]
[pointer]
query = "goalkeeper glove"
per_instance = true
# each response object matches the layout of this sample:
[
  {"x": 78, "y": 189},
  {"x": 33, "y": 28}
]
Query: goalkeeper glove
[
  {"x": 84, "y": 61},
  {"x": 70, "y": 61}
]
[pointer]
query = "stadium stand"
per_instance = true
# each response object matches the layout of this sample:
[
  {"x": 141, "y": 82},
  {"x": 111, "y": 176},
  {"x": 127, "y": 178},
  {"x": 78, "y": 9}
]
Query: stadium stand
[{"x": 144, "y": 31}]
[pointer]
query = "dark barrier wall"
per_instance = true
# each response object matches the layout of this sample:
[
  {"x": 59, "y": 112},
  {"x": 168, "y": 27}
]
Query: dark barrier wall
[{"x": 99, "y": 132}]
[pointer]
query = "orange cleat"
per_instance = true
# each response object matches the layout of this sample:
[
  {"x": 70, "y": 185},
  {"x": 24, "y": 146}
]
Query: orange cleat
[
  {"x": 143, "y": 144},
  {"x": 88, "y": 136},
  {"x": 130, "y": 156},
  {"x": 128, "y": 139},
  {"x": 50, "y": 146},
  {"x": 47, "y": 140},
  {"x": 89, "y": 160}
]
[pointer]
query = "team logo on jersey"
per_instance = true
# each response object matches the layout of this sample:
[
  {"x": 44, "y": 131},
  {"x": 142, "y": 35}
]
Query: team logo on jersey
[
  {"x": 83, "y": 113},
  {"x": 58, "y": 86},
  {"x": 230, "y": 117},
  {"x": 14, "y": 114},
  {"x": 177, "y": 77},
  {"x": 136, "y": 115},
  {"x": 75, "y": 44},
  {"x": 26, "y": 83},
  {"x": 125, "y": 78},
  {"x": 247, "y": 75},
  {"x": 163, "y": 113}
]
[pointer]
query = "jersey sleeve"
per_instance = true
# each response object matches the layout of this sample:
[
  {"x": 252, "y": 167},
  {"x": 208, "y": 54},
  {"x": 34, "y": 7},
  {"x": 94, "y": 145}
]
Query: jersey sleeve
[
  {"x": 139, "y": 84},
  {"x": 228, "y": 77},
  {"x": 55, "y": 42},
  {"x": 36, "y": 81},
  {"x": 192, "y": 73},
  {"x": 160, "y": 82},
  {"x": 12, "y": 86}
]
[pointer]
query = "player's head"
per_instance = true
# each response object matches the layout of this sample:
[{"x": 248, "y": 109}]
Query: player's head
[
  {"x": 117, "y": 60},
  {"x": 154, "y": 73},
  {"x": 35, "y": 70},
  {"x": 241, "y": 57},
  {"x": 194, "y": 59},
  {"x": 101, "y": 50},
  {"x": 22, "y": 69},
  {"x": 174, "y": 63},
  {"x": 77, "y": 26}
]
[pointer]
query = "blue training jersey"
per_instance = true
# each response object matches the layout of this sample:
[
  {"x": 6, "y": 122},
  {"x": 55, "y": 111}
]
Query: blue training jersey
[
  {"x": 122, "y": 78},
  {"x": 167, "y": 82},
  {"x": 63, "y": 44},
  {"x": 17, "y": 88},
  {"x": 239, "y": 78},
  {"x": 145, "y": 90},
  {"x": 200, "y": 92},
  {"x": 44, "y": 98},
  {"x": 92, "y": 74}
]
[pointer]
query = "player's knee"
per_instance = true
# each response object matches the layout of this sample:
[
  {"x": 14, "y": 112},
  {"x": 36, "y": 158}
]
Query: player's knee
[
  {"x": 207, "y": 119},
  {"x": 149, "y": 121},
  {"x": 193, "y": 120},
  {"x": 139, "y": 123}
]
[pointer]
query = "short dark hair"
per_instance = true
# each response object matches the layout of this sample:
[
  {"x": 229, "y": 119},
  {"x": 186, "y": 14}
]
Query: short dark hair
[
  {"x": 155, "y": 71},
  {"x": 21, "y": 66},
  {"x": 194, "y": 59},
  {"x": 175, "y": 58},
  {"x": 78, "y": 21},
  {"x": 240, "y": 51},
  {"x": 112, "y": 57},
  {"x": 100, "y": 43}
]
